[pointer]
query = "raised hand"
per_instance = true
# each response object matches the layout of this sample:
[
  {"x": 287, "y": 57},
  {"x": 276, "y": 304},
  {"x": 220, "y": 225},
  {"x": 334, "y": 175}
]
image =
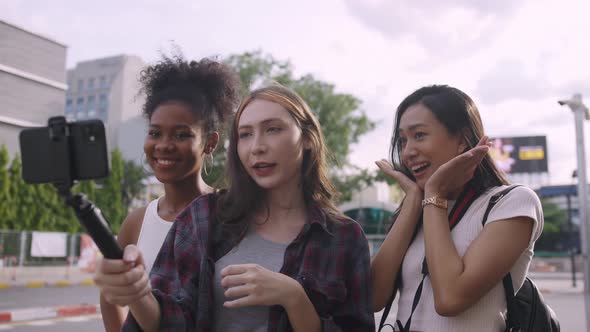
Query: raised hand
[
  {"x": 252, "y": 284},
  {"x": 408, "y": 186},
  {"x": 123, "y": 281},
  {"x": 455, "y": 173}
]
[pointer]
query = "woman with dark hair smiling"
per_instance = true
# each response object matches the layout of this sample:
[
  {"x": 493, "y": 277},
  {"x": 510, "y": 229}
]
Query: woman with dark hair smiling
[
  {"x": 451, "y": 262},
  {"x": 186, "y": 103}
]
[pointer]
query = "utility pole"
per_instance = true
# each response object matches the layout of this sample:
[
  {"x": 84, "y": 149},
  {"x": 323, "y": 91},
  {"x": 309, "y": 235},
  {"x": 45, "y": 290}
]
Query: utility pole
[{"x": 580, "y": 113}]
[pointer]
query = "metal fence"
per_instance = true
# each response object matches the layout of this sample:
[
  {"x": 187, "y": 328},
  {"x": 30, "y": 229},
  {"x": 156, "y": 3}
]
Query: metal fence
[{"x": 15, "y": 250}]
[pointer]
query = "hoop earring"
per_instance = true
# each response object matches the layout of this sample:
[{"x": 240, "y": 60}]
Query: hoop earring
[{"x": 205, "y": 170}]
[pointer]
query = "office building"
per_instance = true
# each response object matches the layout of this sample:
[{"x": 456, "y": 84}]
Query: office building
[
  {"x": 108, "y": 89},
  {"x": 32, "y": 81}
]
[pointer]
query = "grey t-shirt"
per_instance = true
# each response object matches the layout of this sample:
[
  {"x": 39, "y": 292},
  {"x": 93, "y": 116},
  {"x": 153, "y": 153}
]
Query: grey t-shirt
[{"x": 253, "y": 249}]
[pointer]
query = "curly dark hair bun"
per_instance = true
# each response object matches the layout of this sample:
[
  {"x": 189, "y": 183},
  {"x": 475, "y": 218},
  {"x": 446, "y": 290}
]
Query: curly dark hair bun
[{"x": 210, "y": 88}]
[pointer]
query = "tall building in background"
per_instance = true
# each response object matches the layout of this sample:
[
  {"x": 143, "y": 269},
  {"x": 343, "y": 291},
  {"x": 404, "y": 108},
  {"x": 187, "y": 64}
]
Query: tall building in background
[
  {"x": 32, "y": 81},
  {"x": 107, "y": 89}
]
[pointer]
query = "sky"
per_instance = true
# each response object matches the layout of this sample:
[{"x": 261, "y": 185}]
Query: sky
[{"x": 514, "y": 58}]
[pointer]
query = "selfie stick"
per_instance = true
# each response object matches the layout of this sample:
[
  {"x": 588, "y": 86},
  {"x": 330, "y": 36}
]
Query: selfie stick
[
  {"x": 88, "y": 214},
  {"x": 96, "y": 225}
]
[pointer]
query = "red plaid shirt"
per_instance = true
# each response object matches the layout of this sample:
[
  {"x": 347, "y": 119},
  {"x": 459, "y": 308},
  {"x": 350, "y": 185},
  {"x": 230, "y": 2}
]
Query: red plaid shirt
[{"x": 329, "y": 258}]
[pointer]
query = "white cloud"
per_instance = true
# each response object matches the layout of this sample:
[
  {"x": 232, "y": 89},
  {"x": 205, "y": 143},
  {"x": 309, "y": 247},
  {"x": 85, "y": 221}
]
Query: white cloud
[
  {"x": 515, "y": 58},
  {"x": 512, "y": 79},
  {"x": 446, "y": 29}
]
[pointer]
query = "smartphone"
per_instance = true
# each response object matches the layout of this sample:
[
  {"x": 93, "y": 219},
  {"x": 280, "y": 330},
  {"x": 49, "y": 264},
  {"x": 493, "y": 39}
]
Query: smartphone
[
  {"x": 78, "y": 153},
  {"x": 64, "y": 152}
]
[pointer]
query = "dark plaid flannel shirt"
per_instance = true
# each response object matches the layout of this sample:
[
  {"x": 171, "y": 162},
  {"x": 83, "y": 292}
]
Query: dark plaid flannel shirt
[{"x": 329, "y": 258}]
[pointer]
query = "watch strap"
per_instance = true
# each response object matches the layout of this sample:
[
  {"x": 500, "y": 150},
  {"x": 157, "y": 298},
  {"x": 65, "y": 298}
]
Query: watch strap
[{"x": 436, "y": 201}]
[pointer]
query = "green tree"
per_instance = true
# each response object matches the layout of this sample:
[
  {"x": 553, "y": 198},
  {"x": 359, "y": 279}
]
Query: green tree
[
  {"x": 4, "y": 187},
  {"x": 347, "y": 184},
  {"x": 255, "y": 68},
  {"x": 340, "y": 114},
  {"x": 22, "y": 211},
  {"x": 342, "y": 120},
  {"x": 109, "y": 198},
  {"x": 88, "y": 188},
  {"x": 51, "y": 213},
  {"x": 36, "y": 207},
  {"x": 131, "y": 186},
  {"x": 554, "y": 228},
  {"x": 39, "y": 207}
]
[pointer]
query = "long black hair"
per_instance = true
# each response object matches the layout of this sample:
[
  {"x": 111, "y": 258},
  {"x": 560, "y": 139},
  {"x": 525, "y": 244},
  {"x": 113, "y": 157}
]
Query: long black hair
[{"x": 460, "y": 116}]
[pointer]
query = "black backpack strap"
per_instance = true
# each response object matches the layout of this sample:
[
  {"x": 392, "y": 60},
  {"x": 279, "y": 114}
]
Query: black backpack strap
[
  {"x": 495, "y": 199},
  {"x": 417, "y": 295},
  {"x": 386, "y": 313},
  {"x": 510, "y": 303},
  {"x": 507, "y": 280},
  {"x": 398, "y": 283}
]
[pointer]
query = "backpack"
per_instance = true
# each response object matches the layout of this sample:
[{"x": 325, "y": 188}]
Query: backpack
[{"x": 527, "y": 311}]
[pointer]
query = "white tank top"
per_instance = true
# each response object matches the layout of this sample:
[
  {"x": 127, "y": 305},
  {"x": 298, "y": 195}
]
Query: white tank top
[{"x": 152, "y": 234}]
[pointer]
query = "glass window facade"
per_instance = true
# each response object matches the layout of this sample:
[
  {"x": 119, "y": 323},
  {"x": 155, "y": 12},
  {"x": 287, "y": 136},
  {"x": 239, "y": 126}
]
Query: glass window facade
[{"x": 373, "y": 220}]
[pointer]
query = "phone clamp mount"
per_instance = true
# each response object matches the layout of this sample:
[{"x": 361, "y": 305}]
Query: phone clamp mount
[{"x": 88, "y": 214}]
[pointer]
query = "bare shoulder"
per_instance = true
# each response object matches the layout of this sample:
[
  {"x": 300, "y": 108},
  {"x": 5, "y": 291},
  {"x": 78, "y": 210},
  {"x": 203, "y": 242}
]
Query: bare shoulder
[{"x": 129, "y": 232}]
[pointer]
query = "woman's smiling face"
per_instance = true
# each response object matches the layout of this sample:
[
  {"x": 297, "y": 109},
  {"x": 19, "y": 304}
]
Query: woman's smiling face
[{"x": 425, "y": 143}]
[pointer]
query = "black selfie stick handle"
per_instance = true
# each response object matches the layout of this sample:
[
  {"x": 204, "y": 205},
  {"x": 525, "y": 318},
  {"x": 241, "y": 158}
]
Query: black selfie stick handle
[{"x": 96, "y": 225}]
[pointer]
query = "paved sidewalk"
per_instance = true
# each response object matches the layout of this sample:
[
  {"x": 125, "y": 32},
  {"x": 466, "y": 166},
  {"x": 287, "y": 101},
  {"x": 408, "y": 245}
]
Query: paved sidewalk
[
  {"x": 548, "y": 283},
  {"x": 557, "y": 282},
  {"x": 43, "y": 276}
]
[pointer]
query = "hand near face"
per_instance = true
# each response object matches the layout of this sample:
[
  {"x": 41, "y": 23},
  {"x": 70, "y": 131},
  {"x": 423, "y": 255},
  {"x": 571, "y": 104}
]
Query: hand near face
[
  {"x": 252, "y": 284},
  {"x": 408, "y": 186},
  {"x": 455, "y": 173},
  {"x": 123, "y": 281}
]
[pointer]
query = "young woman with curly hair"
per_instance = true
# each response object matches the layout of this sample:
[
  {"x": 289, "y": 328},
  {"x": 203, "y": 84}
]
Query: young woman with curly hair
[{"x": 186, "y": 102}]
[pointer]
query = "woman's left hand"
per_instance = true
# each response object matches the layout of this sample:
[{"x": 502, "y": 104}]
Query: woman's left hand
[
  {"x": 455, "y": 173},
  {"x": 252, "y": 284}
]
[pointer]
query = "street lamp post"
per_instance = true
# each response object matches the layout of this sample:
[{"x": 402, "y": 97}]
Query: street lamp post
[
  {"x": 580, "y": 113},
  {"x": 572, "y": 236}
]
